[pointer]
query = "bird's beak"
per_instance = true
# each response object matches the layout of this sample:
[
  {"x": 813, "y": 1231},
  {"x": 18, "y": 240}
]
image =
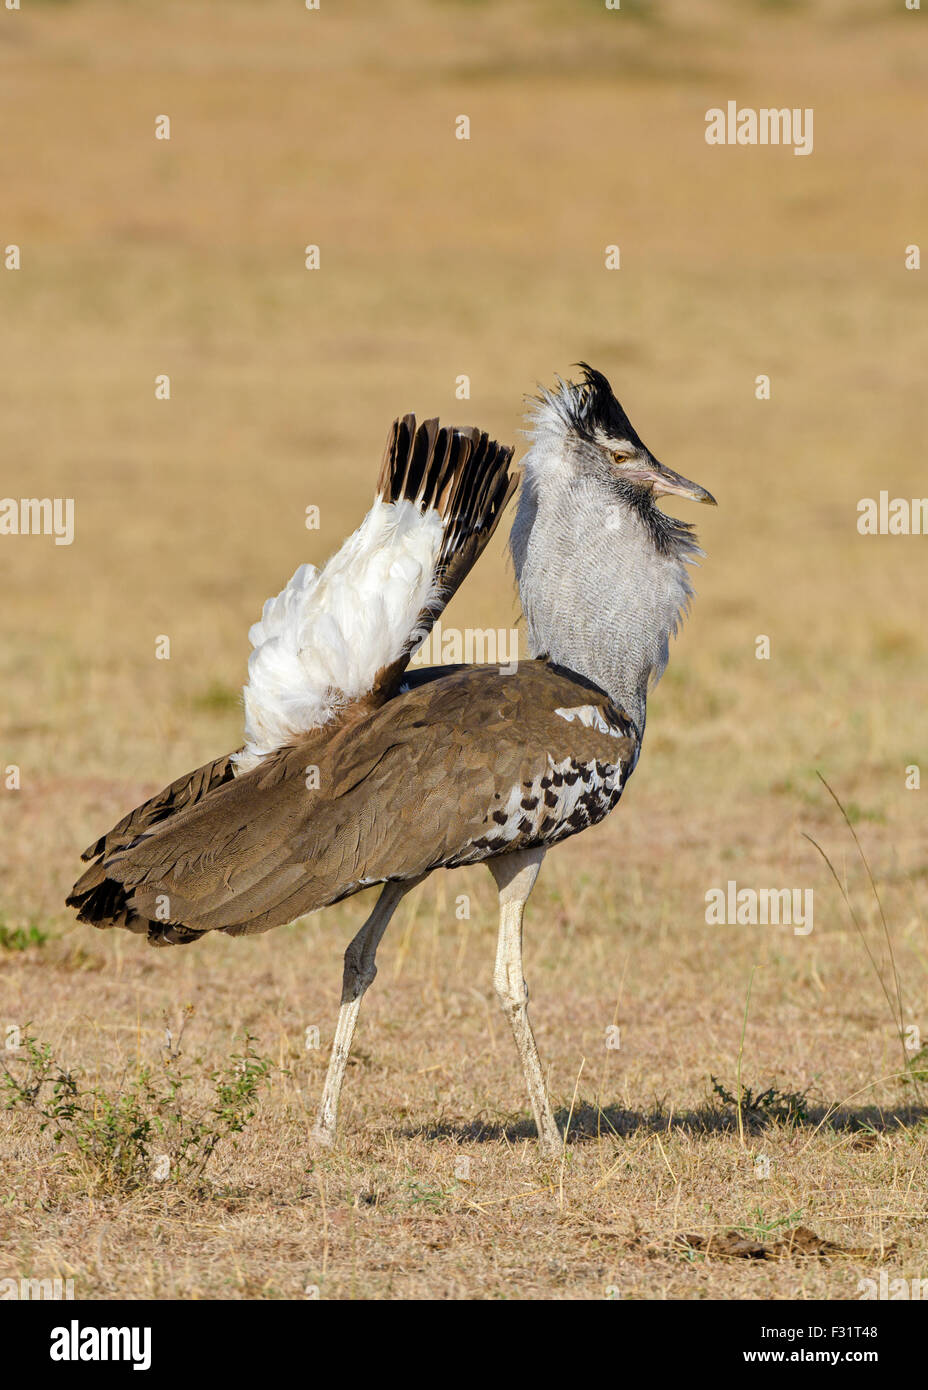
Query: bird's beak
[{"x": 665, "y": 480}]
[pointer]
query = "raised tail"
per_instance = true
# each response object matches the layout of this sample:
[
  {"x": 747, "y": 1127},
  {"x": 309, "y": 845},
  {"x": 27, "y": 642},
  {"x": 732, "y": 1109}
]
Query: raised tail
[
  {"x": 464, "y": 476},
  {"x": 344, "y": 634}
]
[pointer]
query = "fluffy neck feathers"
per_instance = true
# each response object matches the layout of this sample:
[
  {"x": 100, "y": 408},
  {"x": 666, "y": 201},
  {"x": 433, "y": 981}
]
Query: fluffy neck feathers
[{"x": 602, "y": 590}]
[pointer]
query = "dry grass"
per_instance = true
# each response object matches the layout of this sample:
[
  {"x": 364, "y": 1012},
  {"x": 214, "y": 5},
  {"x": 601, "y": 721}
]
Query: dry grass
[{"x": 439, "y": 258}]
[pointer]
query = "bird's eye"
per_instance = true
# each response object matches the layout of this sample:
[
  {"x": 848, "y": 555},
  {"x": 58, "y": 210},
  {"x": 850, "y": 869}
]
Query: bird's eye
[{"x": 620, "y": 456}]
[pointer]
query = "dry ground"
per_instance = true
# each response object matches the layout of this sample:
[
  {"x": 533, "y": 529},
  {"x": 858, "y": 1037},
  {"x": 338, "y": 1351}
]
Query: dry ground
[{"x": 442, "y": 257}]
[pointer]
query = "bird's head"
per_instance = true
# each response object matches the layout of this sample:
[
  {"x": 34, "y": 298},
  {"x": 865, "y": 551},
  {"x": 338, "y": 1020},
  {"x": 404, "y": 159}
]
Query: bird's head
[
  {"x": 585, "y": 428},
  {"x": 603, "y": 572}
]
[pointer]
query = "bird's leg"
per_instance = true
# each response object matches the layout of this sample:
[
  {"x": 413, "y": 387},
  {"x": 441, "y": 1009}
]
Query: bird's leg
[
  {"x": 515, "y": 876},
  {"x": 360, "y": 969}
]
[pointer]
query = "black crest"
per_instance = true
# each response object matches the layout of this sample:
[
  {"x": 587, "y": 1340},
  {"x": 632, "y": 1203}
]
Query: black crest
[
  {"x": 589, "y": 407},
  {"x": 598, "y": 408}
]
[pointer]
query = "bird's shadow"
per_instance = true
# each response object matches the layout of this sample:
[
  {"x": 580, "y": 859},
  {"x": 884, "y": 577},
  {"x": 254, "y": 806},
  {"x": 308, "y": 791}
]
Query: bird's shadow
[{"x": 590, "y": 1122}]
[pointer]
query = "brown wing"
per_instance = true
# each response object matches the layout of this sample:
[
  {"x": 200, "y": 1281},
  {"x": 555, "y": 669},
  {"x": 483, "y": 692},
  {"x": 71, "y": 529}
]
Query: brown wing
[
  {"x": 183, "y": 792},
  {"x": 471, "y": 765},
  {"x": 100, "y": 900}
]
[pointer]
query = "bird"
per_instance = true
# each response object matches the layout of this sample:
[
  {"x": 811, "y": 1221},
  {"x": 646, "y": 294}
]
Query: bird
[{"x": 357, "y": 770}]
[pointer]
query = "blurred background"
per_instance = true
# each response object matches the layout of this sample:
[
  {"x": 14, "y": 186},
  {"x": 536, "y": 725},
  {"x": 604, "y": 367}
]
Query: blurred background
[{"x": 441, "y": 257}]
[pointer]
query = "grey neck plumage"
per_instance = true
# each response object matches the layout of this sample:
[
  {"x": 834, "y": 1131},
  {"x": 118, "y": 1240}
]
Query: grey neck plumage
[{"x": 599, "y": 596}]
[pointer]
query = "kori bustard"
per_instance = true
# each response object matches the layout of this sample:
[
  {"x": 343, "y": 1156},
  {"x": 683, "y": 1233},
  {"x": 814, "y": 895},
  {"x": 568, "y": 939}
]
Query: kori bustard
[{"x": 415, "y": 771}]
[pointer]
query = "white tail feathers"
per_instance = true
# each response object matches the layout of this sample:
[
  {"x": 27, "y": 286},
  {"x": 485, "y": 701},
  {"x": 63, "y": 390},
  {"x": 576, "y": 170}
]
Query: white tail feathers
[{"x": 321, "y": 642}]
